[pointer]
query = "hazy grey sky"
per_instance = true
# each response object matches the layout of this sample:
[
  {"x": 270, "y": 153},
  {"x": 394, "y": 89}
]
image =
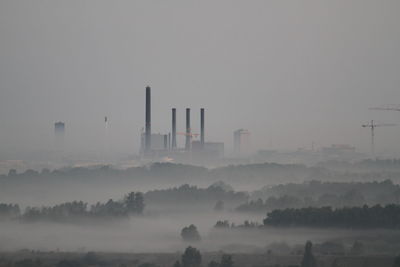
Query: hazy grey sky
[{"x": 291, "y": 72}]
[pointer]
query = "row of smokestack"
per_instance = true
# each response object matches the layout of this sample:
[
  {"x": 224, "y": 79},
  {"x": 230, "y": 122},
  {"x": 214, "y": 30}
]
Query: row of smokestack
[{"x": 188, "y": 133}]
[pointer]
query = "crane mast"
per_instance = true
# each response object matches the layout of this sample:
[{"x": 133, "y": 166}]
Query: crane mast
[{"x": 372, "y": 126}]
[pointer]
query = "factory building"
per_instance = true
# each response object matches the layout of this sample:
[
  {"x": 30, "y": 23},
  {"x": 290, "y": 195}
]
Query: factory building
[
  {"x": 211, "y": 150},
  {"x": 165, "y": 145},
  {"x": 157, "y": 142}
]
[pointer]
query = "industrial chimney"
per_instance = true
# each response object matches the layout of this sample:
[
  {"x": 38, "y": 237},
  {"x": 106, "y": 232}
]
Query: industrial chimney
[
  {"x": 202, "y": 127},
  {"x": 174, "y": 128},
  {"x": 188, "y": 131},
  {"x": 165, "y": 141},
  {"x": 148, "y": 120}
]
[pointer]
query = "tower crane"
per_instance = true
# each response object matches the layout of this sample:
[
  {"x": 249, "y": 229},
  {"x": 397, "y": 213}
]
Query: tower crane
[{"x": 372, "y": 126}]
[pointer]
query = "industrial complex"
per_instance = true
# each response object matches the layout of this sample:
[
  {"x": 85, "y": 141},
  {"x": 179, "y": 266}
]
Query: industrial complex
[
  {"x": 164, "y": 145},
  {"x": 196, "y": 149}
]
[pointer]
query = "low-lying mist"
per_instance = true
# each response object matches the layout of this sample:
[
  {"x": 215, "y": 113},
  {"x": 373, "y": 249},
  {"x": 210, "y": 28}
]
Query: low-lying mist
[
  {"x": 176, "y": 196},
  {"x": 161, "y": 233}
]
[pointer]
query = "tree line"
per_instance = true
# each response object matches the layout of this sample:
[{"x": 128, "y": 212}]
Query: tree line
[
  {"x": 224, "y": 224},
  {"x": 188, "y": 194},
  {"x": 352, "y": 198},
  {"x": 9, "y": 210},
  {"x": 349, "y": 217},
  {"x": 330, "y": 193},
  {"x": 131, "y": 204}
]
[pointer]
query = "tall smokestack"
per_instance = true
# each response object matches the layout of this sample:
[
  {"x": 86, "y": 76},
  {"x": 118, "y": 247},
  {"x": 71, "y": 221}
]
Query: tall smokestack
[
  {"x": 174, "y": 128},
  {"x": 148, "y": 120},
  {"x": 188, "y": 131},
  {"x": 202, "y": 127}
]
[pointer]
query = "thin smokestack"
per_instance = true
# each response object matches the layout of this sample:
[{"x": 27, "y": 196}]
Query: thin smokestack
[
  {"x": 188, "y": 131},
  {"x": 202, "y": 127},
  {"x": 169, "y": 141},
  {"x": 174, "y": 128},
  {"x": 148, "y": 120},
  {"x": 165, "y": 141}
]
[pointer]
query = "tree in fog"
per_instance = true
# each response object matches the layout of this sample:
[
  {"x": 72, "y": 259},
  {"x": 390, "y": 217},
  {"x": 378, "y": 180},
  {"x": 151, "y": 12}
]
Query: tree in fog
[
  {"x": 147, "y": 264},
  {"x": 396, "y": 262},
  {"x": 308, "y": 258},
  {"x": 69, "y": 263},
  {"x": 355, "y": 217},
  {"x": 357, "y": 248},
  {"x": 12, "y": 172},
  {"x": 222, "y": 224},
  {"x": 9, "y": 210},
  {"x": 353, "y": 198},
  {"x": 213, "y": 264},
  {"x": 28, "y": 263},
  {"x": 226, "y": 261},
  {"x": 91, "y": 258},
  {"x": 190, "y": 233},
  {"x": 191, "y": 257},
  {"x": 177, "y": 264},
  {"x": 187, "y": 194},
  {"x": 134, "y": 203}
]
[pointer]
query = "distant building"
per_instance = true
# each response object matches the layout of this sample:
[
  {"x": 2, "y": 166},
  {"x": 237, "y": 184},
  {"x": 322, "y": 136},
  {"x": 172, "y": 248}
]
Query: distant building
[
  {"x": 210, "y": 149},
  {"x": 157, "y": 142},
  {"x": 59, "y": 133},
  {"x": 59, "y": 128},
  {"x": 241, "y": 142}
]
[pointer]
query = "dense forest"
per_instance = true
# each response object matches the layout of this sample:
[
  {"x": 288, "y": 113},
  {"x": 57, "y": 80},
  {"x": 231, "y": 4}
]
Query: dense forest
[
  {"x": 267, "y": 173},
  {"x": 351, "y": 198},
  {"x": 364, "y": 165},
  {"x": 225, "y": 224},
  {"x": 190, "y": 195},
  {"x": 356, "y": 217},
  {"x": 373, "y": 192},
  {"x": 321, "y": 194},
  {"x": 131, "y": 204}
]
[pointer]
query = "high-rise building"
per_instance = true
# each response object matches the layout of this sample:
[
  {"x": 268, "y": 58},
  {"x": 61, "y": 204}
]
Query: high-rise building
[
  {"x": 241, "y": 142},
  {"x": 59, "y": 128},
  {"x": 158, "y": 142},
  {"x": 59, "y": 133}
]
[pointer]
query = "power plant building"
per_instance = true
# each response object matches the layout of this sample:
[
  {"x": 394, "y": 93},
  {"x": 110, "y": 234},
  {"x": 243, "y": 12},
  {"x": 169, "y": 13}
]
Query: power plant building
[
  {"x": 210, "y": 150},
  {"x": 165, "y": 145},
  {"x": 158, "y": 142}
]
